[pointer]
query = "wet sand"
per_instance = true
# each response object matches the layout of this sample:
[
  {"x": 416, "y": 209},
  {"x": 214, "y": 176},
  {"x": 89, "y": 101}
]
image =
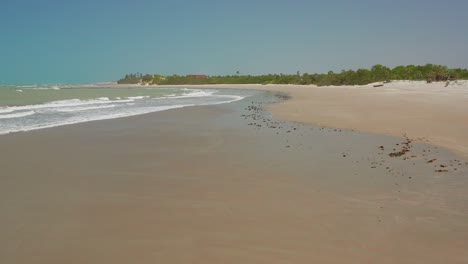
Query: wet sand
[
  {"x": 227, "y": 184},
  {"x": 432, "y": 112}
]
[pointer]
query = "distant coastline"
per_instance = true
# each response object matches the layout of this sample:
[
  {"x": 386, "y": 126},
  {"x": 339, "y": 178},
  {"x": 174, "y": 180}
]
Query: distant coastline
[{"x": 378, "y": 73}]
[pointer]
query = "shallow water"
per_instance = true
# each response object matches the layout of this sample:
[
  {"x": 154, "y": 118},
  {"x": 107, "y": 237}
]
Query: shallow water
[{"x": 24, "y": 108}]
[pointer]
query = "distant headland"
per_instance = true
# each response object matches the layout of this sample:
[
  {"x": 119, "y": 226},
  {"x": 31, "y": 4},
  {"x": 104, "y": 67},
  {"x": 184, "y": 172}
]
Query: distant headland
[{"x": 378, "y": 73}]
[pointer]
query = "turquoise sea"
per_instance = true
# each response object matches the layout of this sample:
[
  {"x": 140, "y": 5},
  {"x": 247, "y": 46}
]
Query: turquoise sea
[{"x": 30, "y": 107}]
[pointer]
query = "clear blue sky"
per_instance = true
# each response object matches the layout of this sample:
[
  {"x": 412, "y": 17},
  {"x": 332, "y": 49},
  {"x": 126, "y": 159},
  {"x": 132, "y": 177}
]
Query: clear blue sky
[{"x": 82, "y": 41}]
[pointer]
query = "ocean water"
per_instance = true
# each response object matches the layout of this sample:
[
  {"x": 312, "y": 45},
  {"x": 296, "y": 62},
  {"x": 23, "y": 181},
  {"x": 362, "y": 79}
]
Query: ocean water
[{"x": 30, "y": 107}]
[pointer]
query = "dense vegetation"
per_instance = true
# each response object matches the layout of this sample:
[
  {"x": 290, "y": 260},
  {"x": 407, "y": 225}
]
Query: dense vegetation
[{"x": 377, "y": 73}]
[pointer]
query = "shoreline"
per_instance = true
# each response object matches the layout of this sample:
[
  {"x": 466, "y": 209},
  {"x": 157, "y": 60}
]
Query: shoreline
[
  {"x": 226, "y": 184},
  {"x": 426, "y": 112}
]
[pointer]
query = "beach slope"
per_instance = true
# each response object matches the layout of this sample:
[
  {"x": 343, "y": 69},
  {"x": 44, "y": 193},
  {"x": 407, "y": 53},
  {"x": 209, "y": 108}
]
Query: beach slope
[{"x": 227, "y": 184}]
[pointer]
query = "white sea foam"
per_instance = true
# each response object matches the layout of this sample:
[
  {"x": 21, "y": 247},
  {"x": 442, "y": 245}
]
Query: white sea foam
[
  {"x": 199, "y": 93},
  {"x": 79, "y": 119},
  {"x": 137, "y": 97},
  {"x": 190, "y": 94},
  {"x": 59, "y": 104},
  {"x": 77, "y": 109},
  {"x": 65, "y": 112},
  {"x": 16, "y": 115},
  {"x": 4, "y": 110},
  {"x": 42, "y": 88},
  {"x": 51, "y": 86}
]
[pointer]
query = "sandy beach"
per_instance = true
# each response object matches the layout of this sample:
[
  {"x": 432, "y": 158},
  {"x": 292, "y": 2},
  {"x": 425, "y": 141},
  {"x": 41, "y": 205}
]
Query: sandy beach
[
  {"x": 431, "y": 112},
  {"x": 233, "y": 132},
  {"x": 231, "y": 184}
]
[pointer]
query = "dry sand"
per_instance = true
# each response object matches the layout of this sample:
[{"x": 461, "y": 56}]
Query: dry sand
[
  {"x": 434, "y": 112},
  {"x": 221, "y": 184}
]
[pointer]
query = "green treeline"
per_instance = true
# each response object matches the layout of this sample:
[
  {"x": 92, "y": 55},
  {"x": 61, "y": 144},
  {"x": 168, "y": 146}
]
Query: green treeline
[{"x": 377, "y": 73}]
